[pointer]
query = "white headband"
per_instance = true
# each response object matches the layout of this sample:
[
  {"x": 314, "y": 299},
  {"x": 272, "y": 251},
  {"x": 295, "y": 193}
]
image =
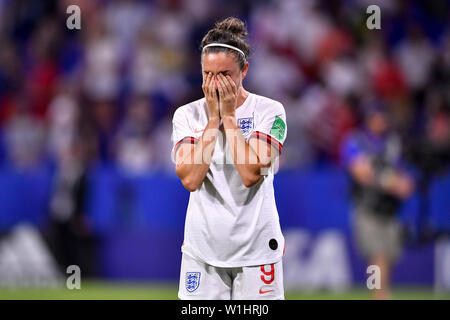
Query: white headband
[{"x": 225, "y": 46}]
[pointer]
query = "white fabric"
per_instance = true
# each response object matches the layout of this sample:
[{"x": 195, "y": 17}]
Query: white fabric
[
  {"x": 246, "y": 283},
  {"x": 228, "y": 224}
]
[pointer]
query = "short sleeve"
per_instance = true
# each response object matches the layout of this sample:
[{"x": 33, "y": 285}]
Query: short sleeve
[
  {"x": 181, "y": 130},
  {"x": 271, "y": 125}
]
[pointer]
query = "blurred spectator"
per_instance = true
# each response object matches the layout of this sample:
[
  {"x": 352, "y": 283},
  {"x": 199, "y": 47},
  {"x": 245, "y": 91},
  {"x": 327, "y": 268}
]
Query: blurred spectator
[
  {"x": 134, "y": 150},
  {"x": 124, "y": 19},
  {"x": 69, "y": 233},
  {"x": 161, "y": 141},
  {"x": 103, "y": 114},
  {"x": 309, "y": 50},
  {"x": 63, "y": 117},
  {"x": 102, "y": 65},
  {"x": 145, "y": 69},
  {"x": 414, "y": 48},
  {"x": 343, "y": 76},
  {"x": 24, "y": 138},
  {"x": 43, "y": 70},
  {"x": 11, "y": 77},
  {"x": 430, "y": 153},
  {"x": 380, "y": 182}
]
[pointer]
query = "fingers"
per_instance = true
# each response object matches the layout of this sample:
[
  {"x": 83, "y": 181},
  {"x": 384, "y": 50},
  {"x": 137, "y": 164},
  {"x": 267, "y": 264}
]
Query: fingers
[
  {"x": 227, "y": 91},
  {"x": 231, "y": 84},
  {"x": 208, "y": 86},
  {"x": 212, "y": 87},
  {"x": 205, "y": 79},
  {"x": 208, "y": 80},
  {"x": 224, "y": 85},
  {"x": 221, "y": 88},
  {"x": 205, "y": 83}
]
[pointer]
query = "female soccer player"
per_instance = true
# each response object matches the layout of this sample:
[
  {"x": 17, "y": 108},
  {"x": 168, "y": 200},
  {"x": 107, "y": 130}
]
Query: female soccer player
[{"x": 225, "y": 145}]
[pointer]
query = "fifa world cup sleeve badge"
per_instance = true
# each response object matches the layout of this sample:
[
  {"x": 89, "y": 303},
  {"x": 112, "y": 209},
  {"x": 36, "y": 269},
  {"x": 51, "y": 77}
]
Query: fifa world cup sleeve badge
[{"x": 278, "y": 128}]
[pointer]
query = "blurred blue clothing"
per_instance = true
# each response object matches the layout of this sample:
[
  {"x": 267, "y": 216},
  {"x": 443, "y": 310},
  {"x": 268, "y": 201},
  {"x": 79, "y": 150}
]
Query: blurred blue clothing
[{"x": 363, "y": 142}]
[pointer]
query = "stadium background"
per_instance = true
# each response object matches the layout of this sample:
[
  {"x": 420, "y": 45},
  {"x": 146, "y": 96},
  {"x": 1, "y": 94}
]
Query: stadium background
[{"x": 85, "y": 124}]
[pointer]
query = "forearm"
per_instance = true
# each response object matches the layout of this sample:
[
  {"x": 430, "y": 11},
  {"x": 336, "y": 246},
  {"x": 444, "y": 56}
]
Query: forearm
[
  {"x": 389, "y": 180},
  {"x": 396, "y": 183},
  {"x": 245, "y": 158},
  {"x": 194, "y": 165}
]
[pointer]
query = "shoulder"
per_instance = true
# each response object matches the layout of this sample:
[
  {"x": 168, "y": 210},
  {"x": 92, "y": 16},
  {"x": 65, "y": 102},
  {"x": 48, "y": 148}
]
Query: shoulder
[
  {"x": 266, "y": 105},
  {"x": 353, "y": 142},
  {"x": 191, "y": 109},
  {"x": 351, "y": 147}
]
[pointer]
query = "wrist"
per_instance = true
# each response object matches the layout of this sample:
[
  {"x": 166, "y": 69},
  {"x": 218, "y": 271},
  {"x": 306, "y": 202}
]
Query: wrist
[
  {"x": 229, "y": 117},
  {"x": 214, "y": 120}
]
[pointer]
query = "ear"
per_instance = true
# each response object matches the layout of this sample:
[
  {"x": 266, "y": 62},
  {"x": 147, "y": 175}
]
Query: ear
[{"x": 244, "y": 70}]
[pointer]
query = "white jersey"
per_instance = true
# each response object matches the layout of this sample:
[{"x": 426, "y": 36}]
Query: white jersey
[{"x": 228, "y": 224}]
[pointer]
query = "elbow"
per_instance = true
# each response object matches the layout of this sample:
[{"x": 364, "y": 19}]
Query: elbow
[
  {"x": 249, "y": 184},
  {"x": 189, "y": 184},
  {"x": 253, "y": 177},
  {"x": 251, "y": 181},
  {"x": 190, "y": 187}
]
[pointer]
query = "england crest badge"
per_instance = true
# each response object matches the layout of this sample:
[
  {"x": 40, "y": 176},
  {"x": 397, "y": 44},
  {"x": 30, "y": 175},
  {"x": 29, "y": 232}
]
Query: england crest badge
[
  {"x": 192, "y": 281},
  {"x": 246, "y": 125}
]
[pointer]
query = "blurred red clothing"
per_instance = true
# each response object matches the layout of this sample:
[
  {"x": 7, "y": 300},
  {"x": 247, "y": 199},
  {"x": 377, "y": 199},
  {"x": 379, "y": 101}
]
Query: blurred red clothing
[
  {"x": 41, "y": 86},
  {"x": 336, "y": 42},
  {"x": 388, "y": 80}
]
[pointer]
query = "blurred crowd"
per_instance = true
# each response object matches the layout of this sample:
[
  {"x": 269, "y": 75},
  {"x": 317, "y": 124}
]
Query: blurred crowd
[{"x": 106, "y": 93}]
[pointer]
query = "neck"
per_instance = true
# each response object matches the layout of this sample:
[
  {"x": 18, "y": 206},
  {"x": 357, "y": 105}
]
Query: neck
[{"x": 242, "y": 95}]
